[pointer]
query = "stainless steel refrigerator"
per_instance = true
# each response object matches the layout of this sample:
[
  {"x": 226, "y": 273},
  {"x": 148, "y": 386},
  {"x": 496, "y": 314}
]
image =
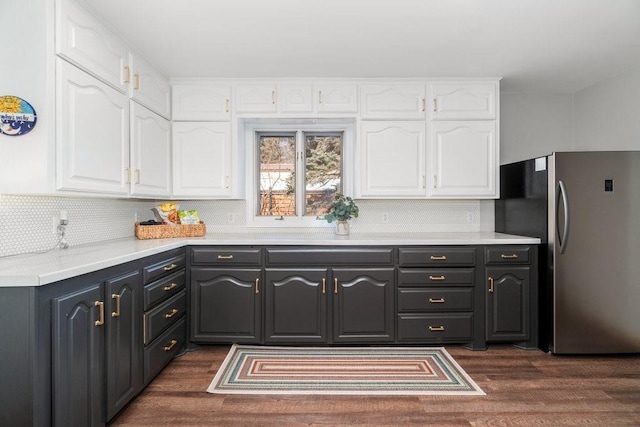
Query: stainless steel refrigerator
[{"x": 585, "y": 206}]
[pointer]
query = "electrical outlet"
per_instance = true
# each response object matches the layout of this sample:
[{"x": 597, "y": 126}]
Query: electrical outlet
[
  {"x": 230, "y": 218},
  {"x": 385, "y": 218},
  {"x": 471, "y": 217}
]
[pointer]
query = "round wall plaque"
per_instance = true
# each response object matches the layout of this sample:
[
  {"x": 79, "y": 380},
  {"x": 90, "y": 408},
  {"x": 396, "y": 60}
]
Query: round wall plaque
[{"x": 17, "y": 116}]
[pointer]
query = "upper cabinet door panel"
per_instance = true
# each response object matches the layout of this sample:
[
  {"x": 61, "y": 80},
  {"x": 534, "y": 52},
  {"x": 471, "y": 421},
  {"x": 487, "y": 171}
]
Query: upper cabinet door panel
[
  {"x": 336, "y": 98},
  {"x": 149, "y": 87},
  {"x": 399, "y": 101},
  {"x": 83, "y": 40},
  {"x": 201, "y": 101},
  {"x": 295, "y": 98},
  {"x": 464, "y": 101},
  {"x": 255, "y": 98}
]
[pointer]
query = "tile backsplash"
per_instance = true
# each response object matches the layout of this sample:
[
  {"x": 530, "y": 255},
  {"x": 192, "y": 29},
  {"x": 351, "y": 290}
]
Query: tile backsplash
[{"x": 28, "y": 222}]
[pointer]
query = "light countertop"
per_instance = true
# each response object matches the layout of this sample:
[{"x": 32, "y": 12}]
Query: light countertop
[{"x": 44, "y": 268}]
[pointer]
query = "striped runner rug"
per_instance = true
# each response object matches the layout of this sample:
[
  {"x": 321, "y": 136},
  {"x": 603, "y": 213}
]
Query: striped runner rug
[{"x": 341, "y": 371}]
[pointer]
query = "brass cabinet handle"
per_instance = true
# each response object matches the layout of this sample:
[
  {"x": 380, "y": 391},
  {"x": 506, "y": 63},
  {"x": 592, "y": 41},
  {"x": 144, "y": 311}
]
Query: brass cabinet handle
[
  {"x": 319, "y": 97},
  {"x": 172, "y": 313},
  {"x": 128, "y": 172},
  {"x": 227, "y": 180},
  {"x": 273, "y": 96},
  {"x": 436, "y": 301},
  {"x": 435, "y": 105},
  {"x": 490, "y": 285},
  {"x": 137, "y": 176},
  {"x": 127, "y": 74},
  {"x": 424, "y": 104},
  {"x": 170, "y": 267},
  {"x": 170, "y": 346},
  {"x": 117, "y": 312},
  {"x": 436, "y": 328},
  {"x": 100, "y": 320},
  {"x": 225, "y": 256},
  {"x": 511, "y": 256},
  {"x": 136, "y": 86},
  {"x": 437, "y": 278},
  {"x": 438, "y": 257},
  {"x": 226, "y": 106},
  {"x": 257, "y": 286},
  {"x": 324, "y": 286},
  {"x": 335, "y": 285},
  {"x": 169, "y": 287}
]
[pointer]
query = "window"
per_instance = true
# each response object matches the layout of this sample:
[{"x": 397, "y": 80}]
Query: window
[{"x": 296, "y": 172}]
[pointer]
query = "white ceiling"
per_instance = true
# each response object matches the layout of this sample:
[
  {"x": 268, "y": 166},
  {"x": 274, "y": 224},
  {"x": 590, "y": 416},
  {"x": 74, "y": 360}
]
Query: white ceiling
[{"x": 558, "y": 46}]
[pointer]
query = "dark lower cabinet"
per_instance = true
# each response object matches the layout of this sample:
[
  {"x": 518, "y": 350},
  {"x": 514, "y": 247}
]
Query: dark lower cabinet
[
  {"x": 508, "y": 303},
  {"x": 226, "y": 305}
]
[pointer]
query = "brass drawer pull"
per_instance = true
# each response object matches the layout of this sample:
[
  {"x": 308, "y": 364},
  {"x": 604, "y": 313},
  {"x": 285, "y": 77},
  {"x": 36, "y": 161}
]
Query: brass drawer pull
[
  {"x": 512, "y": 256},
  {"x": 171, "y": 313},
  {"x": 169, "y": 287},
  {"x": 171, "y": 345},
  {"x": 100, "y": 320},
  {"x": 436, "y": 300},
  {"x": 170, "y": 267},
  {"x": 257, "y": 286},
  {"x": 225, "y": 256},
  {"x": 324, "y": 286},
  {"x": 436, "y": 328},
  {"x": 490, "y": 285},
  {"x": 335, "y": 285},
  {"x": 438, "y": 257},
  {"x": 437, "y": 278},
  {"x": 117, "y": 312}
]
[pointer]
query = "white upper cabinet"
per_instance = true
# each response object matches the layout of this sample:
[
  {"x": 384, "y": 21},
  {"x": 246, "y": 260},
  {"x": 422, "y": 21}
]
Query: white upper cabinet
[
  {"x": 464, "y": 100},
  {"x": 391, "y": 159},
  {"x": 150, "y": 142},
  {"x": 464, "y": 159},
  {"x": 83, "y": 40},
  {"x": 201, "y": 101},
  {"x": 202, "y": 159},
  {"x": 336, "y": 97},
  {"x": 148, "y": 87},
  {"x": 295, "y": 98},
  {"x": 392, "y": 101},
  {"x": 92, "y": 140},
  {"x": 255, "y": 98}
]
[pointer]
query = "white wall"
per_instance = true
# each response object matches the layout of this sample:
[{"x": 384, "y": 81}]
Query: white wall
[
  {"x": 533, "y": 125},
  {"x": 607, "y": 114}
]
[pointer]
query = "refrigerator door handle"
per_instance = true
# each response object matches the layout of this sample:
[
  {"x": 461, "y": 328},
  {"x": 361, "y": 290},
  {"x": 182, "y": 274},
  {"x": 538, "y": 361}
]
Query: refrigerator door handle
[{"x": 561, "y": 191}]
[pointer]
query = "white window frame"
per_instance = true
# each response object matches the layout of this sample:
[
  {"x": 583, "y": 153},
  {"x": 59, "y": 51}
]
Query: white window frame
[{"x": 253, "y": 127}]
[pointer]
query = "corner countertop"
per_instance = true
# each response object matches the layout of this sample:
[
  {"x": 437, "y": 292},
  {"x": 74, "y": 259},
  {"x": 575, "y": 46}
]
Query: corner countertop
[{"x": 44, "y": 268}]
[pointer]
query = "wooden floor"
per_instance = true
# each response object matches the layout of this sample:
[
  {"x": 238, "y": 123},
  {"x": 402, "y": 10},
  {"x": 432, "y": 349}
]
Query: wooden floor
[{"x": 523, "y": 387}]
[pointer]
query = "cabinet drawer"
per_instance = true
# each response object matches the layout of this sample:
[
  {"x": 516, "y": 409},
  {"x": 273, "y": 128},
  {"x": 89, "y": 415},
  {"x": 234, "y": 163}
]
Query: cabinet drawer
[
  {"x": 435, "y": 277},
  {"x": 226, "y": 256},
  {"x": 329, "y": 256},
  {"x": 163, "y": 316},
  {"x": 507, "y": 255},
  {"x": 162, "y": 268},
  {"x": 164, "y": 288},
  {"x": 427, "y": 257},
  {"x": 163, "y": 349},
  {"x": 435, "y": 327},
  {"x": 435, "y": 299}
]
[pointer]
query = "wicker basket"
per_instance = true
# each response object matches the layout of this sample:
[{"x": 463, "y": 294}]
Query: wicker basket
[{"x": 169, "y": 231}]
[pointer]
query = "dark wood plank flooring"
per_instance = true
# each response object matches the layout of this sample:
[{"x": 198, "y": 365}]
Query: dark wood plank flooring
[{"x": 523, "y": 387}]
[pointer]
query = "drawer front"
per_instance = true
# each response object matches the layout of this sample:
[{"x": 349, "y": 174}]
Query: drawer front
[
  {"x": 435, "y": 256},
  {"x": 436, "y": 277},
  {"x": 164, "y": 288},
  {"x": 162, "y": 268},
  {"x": 328, "y": 256},
  {"x": 226, "y": 256},
  {"x": 435, "y": 299},
  {"x": 163, "y": 349},
  {"x": 163, "y": 316},
  {"x": 435, "y": 327},
  {"x": 507, "y": 255}
]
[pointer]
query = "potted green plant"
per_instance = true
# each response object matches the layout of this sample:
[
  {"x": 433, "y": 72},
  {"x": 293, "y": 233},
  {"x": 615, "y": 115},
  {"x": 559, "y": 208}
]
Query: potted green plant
[{"x": 341, "y": 210}]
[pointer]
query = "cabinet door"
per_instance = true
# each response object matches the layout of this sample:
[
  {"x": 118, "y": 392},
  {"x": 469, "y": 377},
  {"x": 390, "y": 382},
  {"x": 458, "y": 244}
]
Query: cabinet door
[
  {"x": 295, "y": 98},
  {"x": 464, "y": 159},
  {"x": 296, "y": 305},
  {"x": 201, "y": 159},
  {"x": 78, "y": 357},
  {"x": 150, "y": 153},
  {"x": 124, "y": 340},
  {"x": 336, "y": 98},
  {"x": 464, "y": 101},
  {"x": 225, "y": 305},
  {"x": 149, "y": 87},
  {"x": 392, "y": 159},
  {"x": 195, "y": 101},
  {"x": 255, "y": 98},
  {"x": 92, "y": 133},
  {"x": 507, "y": 306},
  {"x": 83, "y": 40},
  {"x": 400, "y": 101},
  {"x": 363, "y": 305}
]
